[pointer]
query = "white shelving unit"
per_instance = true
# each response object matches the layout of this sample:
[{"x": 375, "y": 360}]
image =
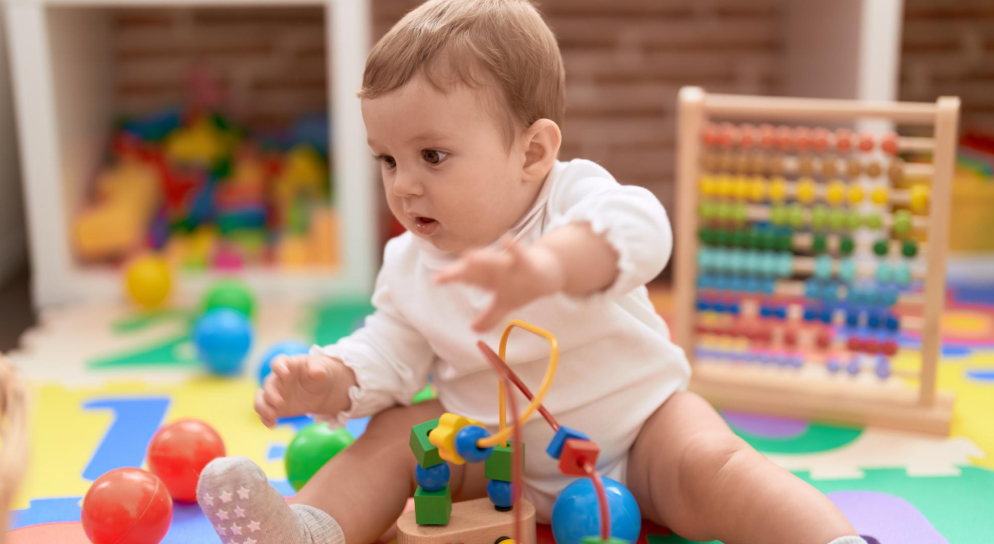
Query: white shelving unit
[{"x": 62, "y": 66}]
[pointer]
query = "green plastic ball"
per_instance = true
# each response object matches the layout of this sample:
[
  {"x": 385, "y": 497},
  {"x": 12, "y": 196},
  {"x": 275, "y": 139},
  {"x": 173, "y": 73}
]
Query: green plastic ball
[
  {"x": 313, "y": 446},
  {"x": 230, "y": 293}
]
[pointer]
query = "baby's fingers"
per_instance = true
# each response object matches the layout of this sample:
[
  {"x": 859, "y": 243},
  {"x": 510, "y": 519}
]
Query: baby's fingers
[{"x": 266, "y": 412}]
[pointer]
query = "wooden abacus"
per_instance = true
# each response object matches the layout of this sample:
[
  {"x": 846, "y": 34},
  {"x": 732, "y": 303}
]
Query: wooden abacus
[{"x": 787, "y": 302}]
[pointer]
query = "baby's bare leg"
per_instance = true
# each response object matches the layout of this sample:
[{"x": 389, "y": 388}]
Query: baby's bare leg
[
  {"x": 689, "y": 472},
  {"x": 366, "y": 486}
]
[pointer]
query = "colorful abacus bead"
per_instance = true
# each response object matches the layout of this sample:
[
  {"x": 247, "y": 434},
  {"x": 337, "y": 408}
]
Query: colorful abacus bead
[
  {"x": 902, "y": 274},
  {"x": 888, "y": 143},
  {"x": 884, "y": 273},
  {"x": 865, "y": 141},
  {"x": 847, "y": 270},
  {"x": 918, "y": 200},
  {"x": 909, "y": 248},
  {"x": 843, "y": 140},
  {"x": 778, "y": 189},
  {"x": 881, "y": 248},
  {"x": 829, "y": 166},
  {"x": 846, "y": 246},
  {"x": 873, "y": 221},
  {"x": 833, "y": 366},
  {"x": 855, "y": 193},
  {"x": 819, "y": 244},
  {"x": 879, "y": 195},
  {"x": 819, "y": 217},
  {"x": 823, "y": 267},
  {"x": 902, "y": 222},
  {"x": 466, "y": 444},
  {"x": 853, "y": 367},
  {"x": 882, "y": 368},
  {"x": 835, "y": 192},
  {"x": 806, "y": 190}
]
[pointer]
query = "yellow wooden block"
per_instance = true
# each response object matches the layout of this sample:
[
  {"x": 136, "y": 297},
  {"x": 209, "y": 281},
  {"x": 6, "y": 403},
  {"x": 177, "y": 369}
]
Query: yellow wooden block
[{"x": 444, "y": 436}]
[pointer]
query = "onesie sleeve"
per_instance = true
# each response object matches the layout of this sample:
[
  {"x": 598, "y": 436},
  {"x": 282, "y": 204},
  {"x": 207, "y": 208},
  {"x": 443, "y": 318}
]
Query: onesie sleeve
[
  {"x": 630, "y": 218},
  {"x": 390, "y": 358}
]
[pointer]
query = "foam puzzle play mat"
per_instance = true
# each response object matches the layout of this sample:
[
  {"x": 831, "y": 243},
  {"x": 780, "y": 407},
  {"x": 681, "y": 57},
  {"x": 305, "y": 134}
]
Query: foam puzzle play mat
[{"x": 104, "y": 378}]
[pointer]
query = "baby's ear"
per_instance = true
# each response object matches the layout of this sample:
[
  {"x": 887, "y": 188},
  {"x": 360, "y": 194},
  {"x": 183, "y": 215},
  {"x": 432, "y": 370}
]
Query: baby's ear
[{"x": 541, "y": 145}]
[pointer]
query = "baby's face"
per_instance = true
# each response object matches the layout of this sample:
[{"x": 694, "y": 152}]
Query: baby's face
[{"x": 447, "y": 172}]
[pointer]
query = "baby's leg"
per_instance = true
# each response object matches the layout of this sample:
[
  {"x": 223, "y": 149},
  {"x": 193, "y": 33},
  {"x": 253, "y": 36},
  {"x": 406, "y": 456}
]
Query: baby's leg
[
  {"x": 353, "y": 498},
  {"x": 366, "y": 486},
  {"x": 689, "y": 472}
]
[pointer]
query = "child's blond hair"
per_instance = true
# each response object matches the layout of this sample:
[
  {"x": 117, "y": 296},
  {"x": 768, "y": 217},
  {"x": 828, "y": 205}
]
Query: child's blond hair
[{"x": 467, "y": 41}]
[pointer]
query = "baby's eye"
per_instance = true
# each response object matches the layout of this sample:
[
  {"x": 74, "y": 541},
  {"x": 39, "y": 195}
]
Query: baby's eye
[
  {"x": 433, "y": 156},
  {"x": 387, "y": 160}
]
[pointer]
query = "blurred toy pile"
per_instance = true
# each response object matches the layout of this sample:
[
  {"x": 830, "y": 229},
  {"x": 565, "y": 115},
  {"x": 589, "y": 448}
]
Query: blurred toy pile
[
  {"x": 973, "y": 195},
  {"x": 208, "y": 193}
]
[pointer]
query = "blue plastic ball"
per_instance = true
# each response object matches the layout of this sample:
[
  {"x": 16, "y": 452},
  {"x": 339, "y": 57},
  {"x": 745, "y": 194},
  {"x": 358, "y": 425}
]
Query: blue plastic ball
[
  {"x": 500, "y": 493},
  {"x": 434, "y": 478},
  {"x": 466, "y": 440},
  {"x": 576, "y": 513},
  {"x": 287, "y": 347},
  {"x": 223, "y": 338}
]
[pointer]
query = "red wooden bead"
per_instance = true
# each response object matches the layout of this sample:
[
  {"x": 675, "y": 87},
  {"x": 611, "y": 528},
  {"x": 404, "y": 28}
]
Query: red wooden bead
[
  {"x": 819, "y": 139},
  {"x": 854, "y": 344},
  {"x": 889, "y": 347},
  {"x": 575, "y": 454},
  {"x": 785, "y": 137},
  {"x": 749, "y": 135},
  {"x": 865, "y": 141},
  {"x": 843, "y": 140},
  {"x": 790, "y": 338},
  {"x": 767, "y": 136},
  {"x": 710, "y": 134},
  {"x": 824, "y": 339},
  {"x": 888, "y": 143},
  {"x": 871, "y": 346},
  {"x": 725, "y": 131},
  {"x": 803, "y": 137}
]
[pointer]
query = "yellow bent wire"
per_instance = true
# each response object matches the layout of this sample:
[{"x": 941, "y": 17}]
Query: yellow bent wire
[{"x": 550, "y": 372}]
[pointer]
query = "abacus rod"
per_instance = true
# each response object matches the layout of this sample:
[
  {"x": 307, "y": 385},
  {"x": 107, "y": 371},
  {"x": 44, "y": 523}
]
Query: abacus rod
[{"x": 815, "y": 109}]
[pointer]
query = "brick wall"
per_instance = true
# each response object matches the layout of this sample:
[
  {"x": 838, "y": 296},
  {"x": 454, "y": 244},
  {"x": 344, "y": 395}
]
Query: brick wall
[
  {"x": 948, "y": 49},
  {"x": 625, "y": 61}
]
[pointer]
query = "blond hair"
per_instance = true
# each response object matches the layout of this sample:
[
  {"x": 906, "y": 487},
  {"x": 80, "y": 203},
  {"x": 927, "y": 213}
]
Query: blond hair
[{"x": 468, "y": 41}]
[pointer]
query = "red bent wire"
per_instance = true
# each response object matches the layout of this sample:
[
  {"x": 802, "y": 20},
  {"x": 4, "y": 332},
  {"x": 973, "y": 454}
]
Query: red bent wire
[
  {"x": 602, "y": 499},
  {"x": 495, "y": 360}
]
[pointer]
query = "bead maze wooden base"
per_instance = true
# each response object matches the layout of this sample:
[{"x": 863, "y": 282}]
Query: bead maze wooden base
[
  {"x": 472, "y": 522},
  {"x": 808, "y": 259}
]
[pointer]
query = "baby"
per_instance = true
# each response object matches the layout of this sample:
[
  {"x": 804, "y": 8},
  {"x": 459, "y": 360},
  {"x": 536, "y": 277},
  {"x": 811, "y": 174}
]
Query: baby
[{"x": 463, "y": 102}]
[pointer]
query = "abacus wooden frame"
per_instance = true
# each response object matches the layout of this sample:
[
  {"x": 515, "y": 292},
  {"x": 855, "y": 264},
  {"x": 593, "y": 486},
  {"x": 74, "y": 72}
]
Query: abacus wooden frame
[{"x": 757, "y": 389}]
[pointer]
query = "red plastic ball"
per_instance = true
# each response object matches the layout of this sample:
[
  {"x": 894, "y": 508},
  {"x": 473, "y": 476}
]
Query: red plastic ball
[
  {"x": 127, "y": 506},
  {"x": 179, "y": 452}
]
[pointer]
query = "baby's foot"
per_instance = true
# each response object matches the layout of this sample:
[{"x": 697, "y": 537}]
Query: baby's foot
[
  {"x": 299, "y": 384},
  {"x": 244, "y": 509}
]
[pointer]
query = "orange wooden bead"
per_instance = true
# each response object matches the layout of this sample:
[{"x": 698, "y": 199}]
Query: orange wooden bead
[
  {"x": 767, "y": 136},
  {"x": 576, "y": 453},
  {"x": 866, "y": 141},
  {"x": 888, "y": 143},
  {"x": 843, "y": 140}
]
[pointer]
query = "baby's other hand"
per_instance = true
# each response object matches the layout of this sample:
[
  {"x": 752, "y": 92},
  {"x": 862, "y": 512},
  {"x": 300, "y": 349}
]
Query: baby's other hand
[
  {"x": 515, "y": 276},
  {"x": 298, "y": 384}
]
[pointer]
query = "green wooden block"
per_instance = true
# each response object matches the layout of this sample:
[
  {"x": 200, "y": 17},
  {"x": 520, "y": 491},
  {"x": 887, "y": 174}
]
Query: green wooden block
[
  {"x": 424, "y": 451},
  {"x": 432, "y": 507},
  {"x": 498, "y": 465}
]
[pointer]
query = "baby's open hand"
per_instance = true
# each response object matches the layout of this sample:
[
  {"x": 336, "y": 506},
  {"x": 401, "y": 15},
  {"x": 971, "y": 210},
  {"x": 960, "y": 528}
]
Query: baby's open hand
[
  {"x": 299, "y": 384},
  {"x": 515, "y": 276}
]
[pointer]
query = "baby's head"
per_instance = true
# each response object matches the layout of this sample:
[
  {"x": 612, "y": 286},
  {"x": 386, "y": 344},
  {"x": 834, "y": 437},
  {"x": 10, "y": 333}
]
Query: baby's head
[{"x": 462, "y": 102}]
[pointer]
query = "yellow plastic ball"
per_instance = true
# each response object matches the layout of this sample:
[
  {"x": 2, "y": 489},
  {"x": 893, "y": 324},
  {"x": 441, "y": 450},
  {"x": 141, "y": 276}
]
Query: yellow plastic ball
[
  {"x": 806, "y": 190},
  {"x": 148, "y": 281},
  {"x": 709, "y": 186},
  {"x": 726, "y": 187},
  {"x": 742, "y": 188},
  {"x": 778, "y": 190},
  {"x": 835, "y": 192},
  {"x": 855, "y": 194},
  {"x": 757, "y": 189},
  {"x": 879, "y": 195},
  {"x": 919, "y": 198}
]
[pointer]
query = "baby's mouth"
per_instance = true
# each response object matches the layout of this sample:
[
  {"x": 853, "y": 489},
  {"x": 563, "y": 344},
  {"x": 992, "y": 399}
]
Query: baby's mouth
[{"x": 425, "y": 226}]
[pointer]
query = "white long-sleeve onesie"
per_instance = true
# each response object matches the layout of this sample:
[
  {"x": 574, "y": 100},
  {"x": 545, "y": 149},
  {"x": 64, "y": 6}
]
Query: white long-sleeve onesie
[{"x": 617, "y": 364}]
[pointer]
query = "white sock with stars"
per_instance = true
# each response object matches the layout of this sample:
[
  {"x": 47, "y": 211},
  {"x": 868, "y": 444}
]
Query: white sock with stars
[
  {"x": 848, "y": 540},
  {"x": 236, "y": 496}
]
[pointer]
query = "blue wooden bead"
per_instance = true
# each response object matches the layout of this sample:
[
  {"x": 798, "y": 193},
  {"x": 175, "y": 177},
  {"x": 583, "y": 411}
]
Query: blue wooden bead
[
  {"x": 781, "y": 312},
  {"x": 703, "y": 306},
  {"x": 885, "y": 274},
  {"x": 883, "y": 367},
  {"x": 734, "y": 308},
  {"x": 902, "y": 274},
  {"x": 892, "y": 322},
  {"x": 852, "y": 318},
  {"x": 873, "y": 320},
  {"x": 810, "y": 314},
  {"x": 853, "y": 367},
  {"x": 826, "y": 316},
  {"x": 466, "y": 447},
  {"x": 833, "y": 366},
  {"x": 823, "y": 267},
  {"x": 434, "y": 478},
  {"x": 500, "y": 493},
  {"x": 847, "y": 270}
]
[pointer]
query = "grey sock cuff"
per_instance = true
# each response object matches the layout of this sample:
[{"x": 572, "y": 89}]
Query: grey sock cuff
[
  {"x": 848, "y": 540},
  {"x": 321, "y": 527}
]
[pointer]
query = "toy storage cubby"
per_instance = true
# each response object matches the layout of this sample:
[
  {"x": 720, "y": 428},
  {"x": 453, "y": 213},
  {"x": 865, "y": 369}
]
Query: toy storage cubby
[{"x": 64, "y": 63}]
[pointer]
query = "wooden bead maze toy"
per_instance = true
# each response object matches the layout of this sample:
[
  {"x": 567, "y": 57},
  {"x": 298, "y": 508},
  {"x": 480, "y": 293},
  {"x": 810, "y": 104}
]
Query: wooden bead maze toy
[
  {"x": 808, "y": 256},
  {"x": 504, "y": 517}
]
